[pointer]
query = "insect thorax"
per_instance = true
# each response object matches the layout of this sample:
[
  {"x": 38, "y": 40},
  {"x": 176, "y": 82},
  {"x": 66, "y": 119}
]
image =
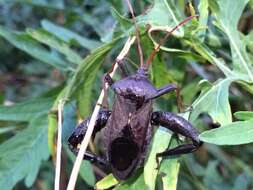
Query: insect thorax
[{"x": 136, "y": 88}]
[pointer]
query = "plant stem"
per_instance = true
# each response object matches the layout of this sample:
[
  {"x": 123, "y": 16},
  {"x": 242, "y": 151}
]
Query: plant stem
[{"x": 59, "y": 146}]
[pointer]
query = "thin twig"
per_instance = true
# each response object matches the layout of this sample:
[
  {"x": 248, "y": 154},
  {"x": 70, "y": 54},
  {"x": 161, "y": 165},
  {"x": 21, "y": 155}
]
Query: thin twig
[
  {"x": 59, "y": 146},
  {"x": 85, "y": 142},
  {"x": 137, "y": 31},
  {"x": 163, "y": 40}
]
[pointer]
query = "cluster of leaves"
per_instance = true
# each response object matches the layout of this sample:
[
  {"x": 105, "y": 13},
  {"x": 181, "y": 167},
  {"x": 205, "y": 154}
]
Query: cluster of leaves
[{"x": 208, "y": 58}]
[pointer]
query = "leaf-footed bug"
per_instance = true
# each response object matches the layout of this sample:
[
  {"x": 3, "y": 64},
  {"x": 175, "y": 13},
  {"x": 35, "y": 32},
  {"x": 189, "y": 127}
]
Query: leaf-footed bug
[{"x": 127, "y": 128}]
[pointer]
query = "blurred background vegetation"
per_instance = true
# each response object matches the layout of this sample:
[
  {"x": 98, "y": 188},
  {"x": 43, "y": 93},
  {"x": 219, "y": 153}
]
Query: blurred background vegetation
[{"x": 55, "y": 49}]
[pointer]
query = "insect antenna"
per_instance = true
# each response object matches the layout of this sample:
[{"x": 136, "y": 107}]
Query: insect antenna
[
  {"x": 163, "y": 40},
  {"x": 137, "y": 33}
]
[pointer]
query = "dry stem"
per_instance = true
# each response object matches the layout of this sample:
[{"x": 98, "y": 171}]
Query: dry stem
[{"x": 59, "y": 147}]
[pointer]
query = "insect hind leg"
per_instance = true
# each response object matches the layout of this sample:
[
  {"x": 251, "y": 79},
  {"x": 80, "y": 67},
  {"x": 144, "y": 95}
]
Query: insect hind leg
[
  {"x": 181, "y": 149},
  {"x": 79, "y": 132},
  {"x": 180, "y": 126},
  {"x": 89, "y": 156}
]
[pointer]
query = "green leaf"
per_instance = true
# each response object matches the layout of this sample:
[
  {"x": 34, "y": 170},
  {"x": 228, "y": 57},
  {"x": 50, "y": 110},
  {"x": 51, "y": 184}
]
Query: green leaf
[
  {"x": 214, "y": 101},
  {"x": 21, "y": 155},
  {"x": 203, "y": 17},
  {"x": 107, "y": 182},
  {"x": 26, "y": 111},
  {"x": 207, "y": 54},
  {"x": 213, "y": 179},
  {"x": 70, "y": 121},
  {"x": 189, "y": 92},
  {"x": 213, "y": 5},
  {"x": 249, "y": 41},
  {"x": 160, "y": 73},
  {"x": 246, "y": 86},
  {"x": 163, "y": 13},
  {"x": 6, "y": 129},
  {"x": 242, "y": 182},
  {"x": 124, "y": 22},
  {"x": 67, "y": 35},
  {"x": 169, "y": 168},
  {"x": 228, "y": 23},
  {"x": 2, "y": 97},
  {"x": 160, "y": 142},
  {"x": 169, "y": 171},
  {"x": 244, "y": 115},
  {"x": 240, "y": 132},
  {"x": 55, "y": 4},
  {"x": 54, "y": 42},
  {"x": 95, "y": 23},
  {"x": 136, "y": 182},
  {"x": 33, "y": 48},
  {"x": 88, "y": 69},
  {"x": 52, "y": 128},
  {"x": 84, "y": 95}
]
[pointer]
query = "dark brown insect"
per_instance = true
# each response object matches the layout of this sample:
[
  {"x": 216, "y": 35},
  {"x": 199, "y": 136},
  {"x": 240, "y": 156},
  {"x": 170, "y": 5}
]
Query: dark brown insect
[{"x": 127, "y": 128}]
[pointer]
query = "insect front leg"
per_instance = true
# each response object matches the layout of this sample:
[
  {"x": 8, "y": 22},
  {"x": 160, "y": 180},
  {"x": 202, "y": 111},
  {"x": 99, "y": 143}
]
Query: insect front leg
[
  {"x": 165, "y": 90},
  {"x": 107, "y": 78},
  {"x": 123, "y": 69},
  {"x": 178, "y": 125},
  {"x": 78, "y": 134}
]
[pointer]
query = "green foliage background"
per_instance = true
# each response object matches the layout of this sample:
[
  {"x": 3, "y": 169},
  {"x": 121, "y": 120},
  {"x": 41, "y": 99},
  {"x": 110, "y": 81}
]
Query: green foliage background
[{"x": 52, "y": 50}]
